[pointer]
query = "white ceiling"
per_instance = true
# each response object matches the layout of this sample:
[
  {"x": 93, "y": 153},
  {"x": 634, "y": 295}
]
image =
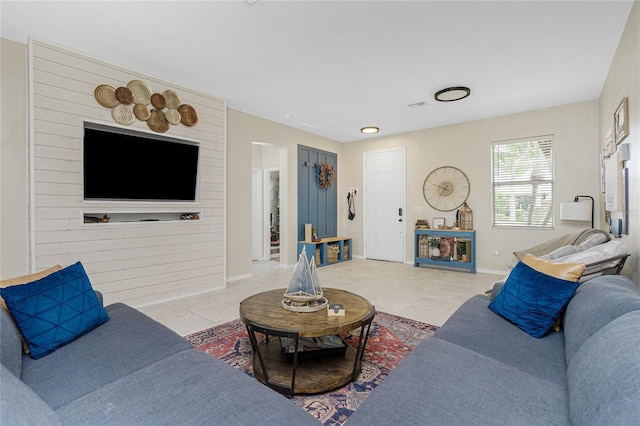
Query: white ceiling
[{"x": 331, "y": 68}]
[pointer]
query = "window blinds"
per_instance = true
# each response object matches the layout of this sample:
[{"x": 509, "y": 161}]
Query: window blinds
[{"x": 522, "y": 176}]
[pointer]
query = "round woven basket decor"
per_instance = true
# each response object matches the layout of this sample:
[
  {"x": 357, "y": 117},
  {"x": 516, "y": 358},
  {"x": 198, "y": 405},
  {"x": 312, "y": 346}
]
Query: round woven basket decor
[
  {"x": 106, "y": 96},
  {"x": 158, "y": 101},
  {"x": 141, "y": 112},
  {"x": 173, "y": 116},
  {"x": 123, "y": 114},
  {"x": 173, "y": 100},
  {"x": 157, "y": 121},
  {"x": 188, "y": 115},
  {"x": 124, "y": 95},
  {"x": 141, "y": 92}
]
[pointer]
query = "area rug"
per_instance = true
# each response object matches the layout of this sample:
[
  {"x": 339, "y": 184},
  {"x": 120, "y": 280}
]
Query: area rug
[{"x": 390, "y": 340}]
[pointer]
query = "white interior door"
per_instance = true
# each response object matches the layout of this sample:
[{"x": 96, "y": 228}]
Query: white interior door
[
  {"x": 257, "y": 225},
  {"x": 384, "y": 199}
]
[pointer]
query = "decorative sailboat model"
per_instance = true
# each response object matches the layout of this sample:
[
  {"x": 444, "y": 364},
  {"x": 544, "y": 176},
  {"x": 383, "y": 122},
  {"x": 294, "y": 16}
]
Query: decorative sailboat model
[{"x": 304, "y": 293}]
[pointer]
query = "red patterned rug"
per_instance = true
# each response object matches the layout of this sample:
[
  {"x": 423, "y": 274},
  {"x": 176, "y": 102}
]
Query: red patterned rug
[{"x": 390, "y": 340}]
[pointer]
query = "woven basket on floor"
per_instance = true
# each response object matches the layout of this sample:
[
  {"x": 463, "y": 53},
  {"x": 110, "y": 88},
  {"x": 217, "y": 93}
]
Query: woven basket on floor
[{"x": 332, "y": 253}]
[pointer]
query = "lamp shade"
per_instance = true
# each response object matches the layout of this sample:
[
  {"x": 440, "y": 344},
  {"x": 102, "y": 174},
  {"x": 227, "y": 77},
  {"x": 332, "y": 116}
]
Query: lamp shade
[{"x": 575, "y": 211}]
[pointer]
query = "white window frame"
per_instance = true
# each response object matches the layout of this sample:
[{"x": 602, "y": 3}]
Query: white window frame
[{"x": 523, "y": 199}]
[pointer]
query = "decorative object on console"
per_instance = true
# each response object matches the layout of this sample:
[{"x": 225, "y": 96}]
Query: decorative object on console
[
  {"x": 446, "y": 188},
  {"x": 577, "y": 211},
  {"x": 168, "y": 109},
  {"x": 621, "y": 121},
  {"x": 422, "y": 224},
  {"x": 465, "y": 218},
  {"x": 446, "y": 247},
  {"x": 326, "y": 175},
  {"x": 304, "y": 293}
]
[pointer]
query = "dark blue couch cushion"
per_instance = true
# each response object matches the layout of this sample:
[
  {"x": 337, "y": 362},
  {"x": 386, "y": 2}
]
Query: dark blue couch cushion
[
  {"x": 55, "y": 310},
  {"x": 532, "y": 300}
]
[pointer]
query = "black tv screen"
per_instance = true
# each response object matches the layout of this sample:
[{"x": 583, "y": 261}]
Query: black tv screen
[{"x": 120, "y": 166}]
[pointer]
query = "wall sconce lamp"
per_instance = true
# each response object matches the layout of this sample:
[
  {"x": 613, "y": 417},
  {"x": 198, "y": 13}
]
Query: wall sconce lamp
[{"x": 575, "y": 210}]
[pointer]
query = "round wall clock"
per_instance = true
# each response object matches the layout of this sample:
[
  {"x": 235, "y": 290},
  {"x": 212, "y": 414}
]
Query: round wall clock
[{"x": 446, "y": 188}]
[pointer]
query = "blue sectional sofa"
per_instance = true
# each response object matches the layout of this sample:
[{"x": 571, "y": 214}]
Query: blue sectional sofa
[
  {"x": 478, "y": 369},
  {"x": 481, "y": 369},
  {"x": 131, "y": 370}
]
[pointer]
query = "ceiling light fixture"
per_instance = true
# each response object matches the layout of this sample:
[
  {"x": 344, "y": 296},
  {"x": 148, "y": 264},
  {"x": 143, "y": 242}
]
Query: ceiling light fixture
[
  {"x": 369, "y": 130},
  {"x": 451, "y": 94}
]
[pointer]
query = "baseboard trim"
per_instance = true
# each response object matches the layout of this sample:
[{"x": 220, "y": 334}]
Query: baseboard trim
[{"x": 239, "y": 277}]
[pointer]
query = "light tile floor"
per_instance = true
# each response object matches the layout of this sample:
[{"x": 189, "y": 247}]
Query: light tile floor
[{"x": 424, "y": 294}]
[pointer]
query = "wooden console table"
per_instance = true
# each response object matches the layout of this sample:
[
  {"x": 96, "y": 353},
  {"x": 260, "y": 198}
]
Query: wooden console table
[{"x": 263, "y": 313}]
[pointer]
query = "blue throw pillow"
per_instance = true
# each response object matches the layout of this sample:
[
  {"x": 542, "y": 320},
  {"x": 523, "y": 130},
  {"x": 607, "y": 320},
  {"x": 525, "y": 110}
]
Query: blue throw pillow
[
  {"x": 533, "y": 300},
  {"x": 54, "y": 310}
]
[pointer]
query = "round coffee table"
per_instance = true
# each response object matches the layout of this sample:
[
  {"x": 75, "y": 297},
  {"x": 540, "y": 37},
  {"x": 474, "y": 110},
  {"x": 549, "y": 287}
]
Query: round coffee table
[{"x": 263, "y": 313}]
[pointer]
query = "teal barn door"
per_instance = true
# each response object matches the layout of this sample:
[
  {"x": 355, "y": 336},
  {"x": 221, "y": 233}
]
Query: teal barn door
[{"x": 316, "y": 205}]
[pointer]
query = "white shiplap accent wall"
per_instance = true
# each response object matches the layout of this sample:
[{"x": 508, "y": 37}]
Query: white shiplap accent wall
[{"x": 135, "y": 263}]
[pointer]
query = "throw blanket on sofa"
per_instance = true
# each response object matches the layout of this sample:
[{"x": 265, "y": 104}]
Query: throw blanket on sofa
[{"x": 556, "y": 243}]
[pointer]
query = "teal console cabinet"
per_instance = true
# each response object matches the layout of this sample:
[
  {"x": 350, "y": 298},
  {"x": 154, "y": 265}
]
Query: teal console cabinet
[{"x": 424, "y": 254}]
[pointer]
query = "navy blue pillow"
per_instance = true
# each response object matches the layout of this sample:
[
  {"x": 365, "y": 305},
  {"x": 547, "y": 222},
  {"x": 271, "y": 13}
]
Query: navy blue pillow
[
  {"x": 533, "y": 300},
  {"x": 54, "y": 310}
]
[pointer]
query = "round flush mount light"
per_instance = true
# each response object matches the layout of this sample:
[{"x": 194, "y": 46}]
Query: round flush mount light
[
  {"x": 369, "y": 130},
  {"x": 451, "y": 94}
]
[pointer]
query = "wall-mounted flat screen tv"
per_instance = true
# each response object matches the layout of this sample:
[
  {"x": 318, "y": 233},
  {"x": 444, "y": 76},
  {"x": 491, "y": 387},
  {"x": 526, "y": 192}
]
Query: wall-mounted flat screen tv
[{"x": 123, "y": 165}]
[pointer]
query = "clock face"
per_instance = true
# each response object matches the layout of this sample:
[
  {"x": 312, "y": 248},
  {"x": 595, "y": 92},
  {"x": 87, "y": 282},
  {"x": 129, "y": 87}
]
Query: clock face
[{"x": 446, "y": 188}]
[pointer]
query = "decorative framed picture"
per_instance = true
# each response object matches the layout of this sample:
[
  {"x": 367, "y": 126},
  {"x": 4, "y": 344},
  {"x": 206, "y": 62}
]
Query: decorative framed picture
[
  {"x": 621, "y": 121},
  {"x": 437, "y": 221}
]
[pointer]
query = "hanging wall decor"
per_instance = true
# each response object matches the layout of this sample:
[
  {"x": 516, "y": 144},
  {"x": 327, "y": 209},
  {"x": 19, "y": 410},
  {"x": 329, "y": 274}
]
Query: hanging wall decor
[
  {"x": 621, "y": 121},
  {"x": 131, "y": 102},
  {"x": 326, "y": 175}
]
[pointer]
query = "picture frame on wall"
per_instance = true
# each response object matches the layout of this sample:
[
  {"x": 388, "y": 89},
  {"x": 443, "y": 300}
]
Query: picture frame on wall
[{"x": 621, "y": 121}]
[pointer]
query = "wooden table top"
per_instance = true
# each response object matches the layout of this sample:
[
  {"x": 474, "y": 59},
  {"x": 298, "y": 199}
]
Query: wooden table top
[{"x": 265, "y": 310}]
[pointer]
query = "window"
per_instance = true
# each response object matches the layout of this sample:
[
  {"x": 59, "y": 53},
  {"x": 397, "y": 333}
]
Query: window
[{"x": 523, "y": 183}]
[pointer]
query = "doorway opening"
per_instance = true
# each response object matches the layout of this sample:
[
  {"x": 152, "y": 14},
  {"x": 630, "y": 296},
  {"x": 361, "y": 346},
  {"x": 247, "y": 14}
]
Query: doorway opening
[{"x": 268, "y": 202}]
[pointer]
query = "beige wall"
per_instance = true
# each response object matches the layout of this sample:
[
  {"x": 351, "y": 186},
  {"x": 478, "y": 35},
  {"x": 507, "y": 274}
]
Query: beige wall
[
  {"x": 14, "y": 256},
  {"x": 579, "y": 130},
  {"x": 468, "y": 147},
  {"x": 624, "y": 81},
  {"x": 242, "y": 130}
]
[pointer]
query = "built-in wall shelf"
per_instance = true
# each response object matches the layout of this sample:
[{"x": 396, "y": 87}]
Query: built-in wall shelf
[{"x": 100, "y": 218}]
